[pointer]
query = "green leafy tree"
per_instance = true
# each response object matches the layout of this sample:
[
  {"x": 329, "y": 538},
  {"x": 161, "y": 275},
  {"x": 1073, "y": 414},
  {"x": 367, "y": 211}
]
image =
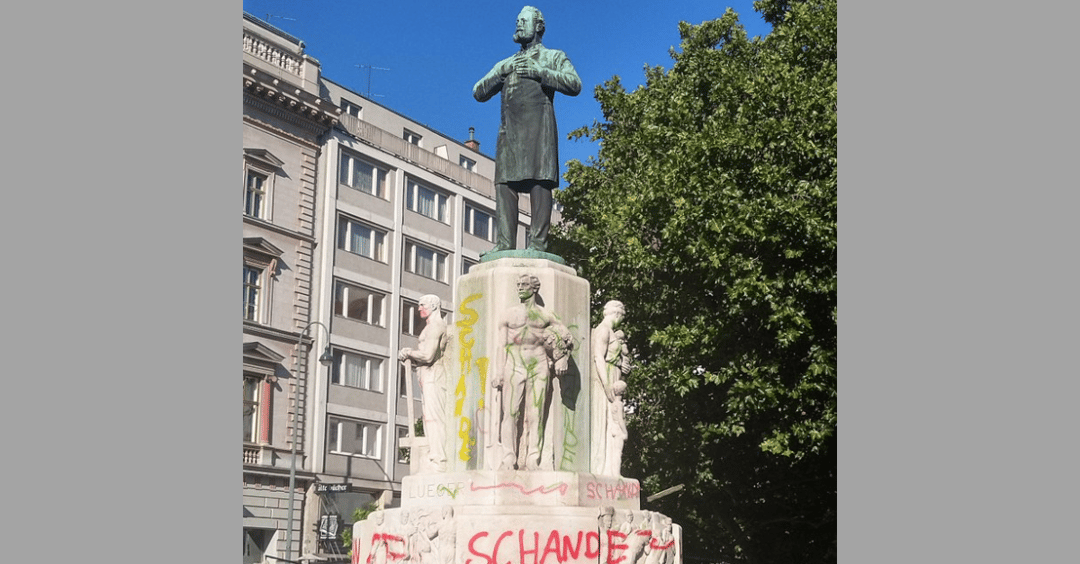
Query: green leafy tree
[{"x": 710, "y": 210}]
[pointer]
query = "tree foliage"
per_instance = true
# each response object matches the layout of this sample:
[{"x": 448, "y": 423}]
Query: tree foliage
[{"x": 710, "y": 211}]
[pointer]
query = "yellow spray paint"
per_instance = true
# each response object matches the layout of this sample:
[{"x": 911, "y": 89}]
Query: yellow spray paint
[{"x": 465, "y": 360}]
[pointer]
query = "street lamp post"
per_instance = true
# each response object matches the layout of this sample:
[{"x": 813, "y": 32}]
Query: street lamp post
[{"x": 326, "y": 359}]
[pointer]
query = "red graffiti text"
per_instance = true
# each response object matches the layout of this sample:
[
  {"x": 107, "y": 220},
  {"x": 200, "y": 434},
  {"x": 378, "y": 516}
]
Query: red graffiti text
[
  {"x": 509, "y": 547},
  {"x": 621, "y": 490}
]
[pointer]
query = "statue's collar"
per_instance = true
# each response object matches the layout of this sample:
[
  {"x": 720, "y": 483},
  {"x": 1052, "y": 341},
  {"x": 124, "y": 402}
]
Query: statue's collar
[{"x": 529, "y": 50}]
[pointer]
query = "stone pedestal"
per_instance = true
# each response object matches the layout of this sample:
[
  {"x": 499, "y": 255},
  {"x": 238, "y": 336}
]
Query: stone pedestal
[
  {"x": 486, "y": 292},
  {"x": 501, "y": 487},
  {"x": 516, "y": 534},
  {"x": 479, "y": 511}
]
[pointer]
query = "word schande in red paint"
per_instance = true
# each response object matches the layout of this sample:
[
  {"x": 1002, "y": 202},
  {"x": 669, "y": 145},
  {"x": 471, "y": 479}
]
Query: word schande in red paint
[
  {"x": 597, "y": 490},
  {"x": 558, "y": 549},
  {"x": 560, "y": 487},
  {"x": 384, "y": 539}
]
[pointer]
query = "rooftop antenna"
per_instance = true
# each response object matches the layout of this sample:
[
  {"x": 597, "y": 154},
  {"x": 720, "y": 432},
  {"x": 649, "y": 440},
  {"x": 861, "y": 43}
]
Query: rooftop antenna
[{"x": 370, "y": 68}]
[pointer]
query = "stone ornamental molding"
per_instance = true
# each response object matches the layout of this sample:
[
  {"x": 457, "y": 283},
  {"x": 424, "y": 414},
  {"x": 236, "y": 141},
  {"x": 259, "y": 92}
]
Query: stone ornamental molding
[{"x": 288, "y": 102}]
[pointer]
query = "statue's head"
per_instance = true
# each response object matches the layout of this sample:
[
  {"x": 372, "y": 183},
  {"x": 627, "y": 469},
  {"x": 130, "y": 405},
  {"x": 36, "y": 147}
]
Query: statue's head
[
  {"x": 430, "y": 304},
  {"x": 530, "y": 25},
  {"x": 615, "y": 310},
  {"x": 607, "y": 515},
  {"x": 527, "y": 285}
]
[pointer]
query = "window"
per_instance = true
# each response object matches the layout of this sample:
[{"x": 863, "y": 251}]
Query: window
[
  {"x": 411, "y": 322},
  {"x": 255, "y": 194},
  {"x": 358, "y": 238},
  {"x": 362, "y": 175},
  {"x": 251, "y": 409},
  {"x": 426, "y": 201},
  {"x": 402, "y": 452},
  {"x": 252, "y": 290},
  {"x": 358, "y": 303},
  {"x": 358, "y": 438},
  {"x": 479, "y": 223},
  {"x": 416, "y": 392},
  {"x": 467, "y": 264},
  {"x": 426, "y": 262},
  {"x": 410, "y": 137},
  {"x": 350, "y": 108},
  {"x": 467, "y": 163},
  {"x": 358, "y": 371},
  {"x": 260, "y": 266},
  {"x": 260, "y": 167}
]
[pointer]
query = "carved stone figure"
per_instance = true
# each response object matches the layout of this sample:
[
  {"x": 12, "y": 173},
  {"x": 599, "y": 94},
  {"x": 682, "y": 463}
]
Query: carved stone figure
[
  {"x": 379, "y": 547},
  {"x": 404, "y": 532},
  {"x": 428, "y": 358},
  {"x": 666, "y": 541},
  {"x": 418, "y": 542},
  {"x": 446, "y": 532},
  {"x": 658, "y": 550},
  {"x": 611, "y": 360},
  {"x": 531, "y": 342},
  {"x": 627, "y": 524},
  {"x": 616, "y": 430},
  {"x": 638, "y": 540},
  {"x": 607, "y": 518},
  {"x": 527, "y": 150}
]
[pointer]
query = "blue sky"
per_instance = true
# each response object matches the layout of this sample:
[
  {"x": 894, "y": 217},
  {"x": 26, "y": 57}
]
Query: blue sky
[{"x": 436, "y": 51}]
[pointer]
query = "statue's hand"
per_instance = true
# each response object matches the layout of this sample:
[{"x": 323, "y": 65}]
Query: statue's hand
[
  {"x": 562, "y": 365},
  {"x": 404, "y": 354},
  {"x": 527, "y": 68},
  {"x": 505, "y": 68}
]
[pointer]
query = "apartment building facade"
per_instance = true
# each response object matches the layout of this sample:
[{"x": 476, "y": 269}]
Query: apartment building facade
[
  {"x": 284, "y": 124},
  {"x": 352, "y": 213}
]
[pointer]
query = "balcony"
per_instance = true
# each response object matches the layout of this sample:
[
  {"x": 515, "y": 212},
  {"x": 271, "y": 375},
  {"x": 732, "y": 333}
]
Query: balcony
[
  {"x": 266, "y": 455},
  {"x": 271, "y": 53},
  {"x": 395, "y": 145},
  {"x": 280, "y": 56}
]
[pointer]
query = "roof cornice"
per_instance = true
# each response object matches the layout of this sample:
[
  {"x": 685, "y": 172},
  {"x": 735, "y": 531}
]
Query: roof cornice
[{"x": 317, "y": 114}]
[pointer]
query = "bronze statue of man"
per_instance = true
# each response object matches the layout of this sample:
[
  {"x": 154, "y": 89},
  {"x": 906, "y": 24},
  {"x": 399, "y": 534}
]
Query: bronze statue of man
[{"x": 527, "y": 150}]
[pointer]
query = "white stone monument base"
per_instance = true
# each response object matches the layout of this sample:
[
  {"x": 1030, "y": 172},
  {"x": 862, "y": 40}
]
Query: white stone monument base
[
  {"x": 516, "y": 534},
  {"x": 519, "y": 488}
]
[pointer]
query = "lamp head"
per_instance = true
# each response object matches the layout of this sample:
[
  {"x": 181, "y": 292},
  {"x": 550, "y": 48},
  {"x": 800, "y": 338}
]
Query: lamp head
[{"x": 327, "y": 357}]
